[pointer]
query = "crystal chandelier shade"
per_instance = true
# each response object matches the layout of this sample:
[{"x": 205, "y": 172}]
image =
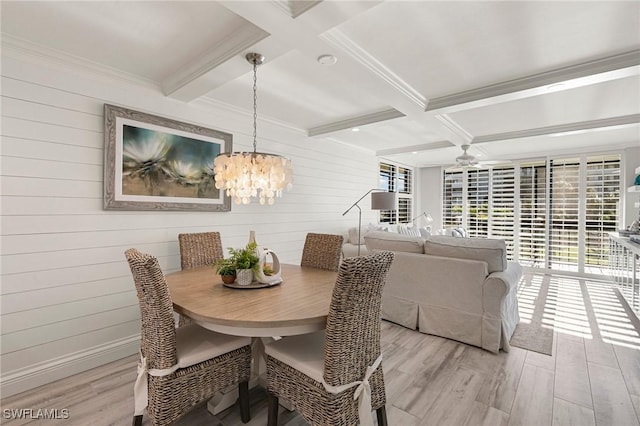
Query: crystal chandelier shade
[{"x": 245, "y": 176}]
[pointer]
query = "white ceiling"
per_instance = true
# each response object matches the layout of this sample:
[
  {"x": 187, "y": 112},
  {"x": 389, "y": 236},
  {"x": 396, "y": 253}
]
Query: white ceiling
[{"x": 418, "y": 78}]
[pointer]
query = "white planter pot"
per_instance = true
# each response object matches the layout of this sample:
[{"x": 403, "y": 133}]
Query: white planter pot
[{"x": 244, "y": 276}]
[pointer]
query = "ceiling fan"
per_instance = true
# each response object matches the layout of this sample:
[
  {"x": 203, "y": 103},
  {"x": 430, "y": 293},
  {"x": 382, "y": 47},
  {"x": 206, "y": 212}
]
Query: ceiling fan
[{"x": 466, "y": 159}]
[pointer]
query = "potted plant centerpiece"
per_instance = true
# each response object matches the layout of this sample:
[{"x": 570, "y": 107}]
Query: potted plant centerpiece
[
  {"x": 244, "y": 261},
  {"x": 226, "y": 268}
]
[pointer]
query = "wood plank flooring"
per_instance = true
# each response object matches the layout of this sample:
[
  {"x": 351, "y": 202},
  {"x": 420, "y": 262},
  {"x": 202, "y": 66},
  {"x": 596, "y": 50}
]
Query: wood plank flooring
[{"x": 592, "y": 377}]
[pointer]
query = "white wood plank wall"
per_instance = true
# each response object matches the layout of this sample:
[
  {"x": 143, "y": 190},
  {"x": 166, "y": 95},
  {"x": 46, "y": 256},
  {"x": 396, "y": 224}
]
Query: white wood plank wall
[{"x": 67, "y": 298}]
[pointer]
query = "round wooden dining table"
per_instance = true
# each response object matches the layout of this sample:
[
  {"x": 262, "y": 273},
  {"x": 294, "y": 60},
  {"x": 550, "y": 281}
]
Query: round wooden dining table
[{"x": 298, "y": 305}]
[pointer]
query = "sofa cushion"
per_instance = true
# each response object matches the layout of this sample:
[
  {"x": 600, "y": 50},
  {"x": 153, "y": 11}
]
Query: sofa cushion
[
  {"x": 378, "y": 240},
  {"x": 492, "y": 251}
]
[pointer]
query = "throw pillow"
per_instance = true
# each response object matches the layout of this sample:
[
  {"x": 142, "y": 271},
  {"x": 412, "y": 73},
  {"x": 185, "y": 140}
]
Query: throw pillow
[{"x": 353, "y": 236}]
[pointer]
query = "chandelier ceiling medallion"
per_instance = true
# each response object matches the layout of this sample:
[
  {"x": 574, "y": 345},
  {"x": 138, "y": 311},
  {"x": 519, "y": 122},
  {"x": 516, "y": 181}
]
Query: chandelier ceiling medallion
[{"x": 253, "y": 175}]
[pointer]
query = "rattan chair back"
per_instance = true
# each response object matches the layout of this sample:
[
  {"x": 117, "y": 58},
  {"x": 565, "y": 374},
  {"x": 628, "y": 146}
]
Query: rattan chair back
[
  {"x": 322, "y": 251},
  {"x": 199, "y": 249},
  {"x": 158, "y": 334},
  {"x": 173, "y": 394},
  {"x": 352, "y": 338},
  {"x": 352, "y": 343}
]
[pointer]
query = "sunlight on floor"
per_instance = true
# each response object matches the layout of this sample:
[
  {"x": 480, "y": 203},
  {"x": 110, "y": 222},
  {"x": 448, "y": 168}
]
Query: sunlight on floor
[{"x": 576, "y": 306}]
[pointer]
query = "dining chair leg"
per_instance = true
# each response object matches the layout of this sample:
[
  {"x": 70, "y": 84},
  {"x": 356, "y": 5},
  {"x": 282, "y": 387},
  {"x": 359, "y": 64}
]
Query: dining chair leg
[
  {"x": 137, "y": 421},
  {"x": 381, "y": 413},
  {"x": 243, "y": 392},
  {"x": 272, "y": 404}
]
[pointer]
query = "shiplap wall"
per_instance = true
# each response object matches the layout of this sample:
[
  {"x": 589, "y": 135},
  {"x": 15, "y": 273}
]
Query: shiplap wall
[{"x": 67, "y": 298}]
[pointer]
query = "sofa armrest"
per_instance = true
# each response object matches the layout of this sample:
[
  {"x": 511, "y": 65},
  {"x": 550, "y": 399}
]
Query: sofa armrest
[{"x": 497, "y": 285}]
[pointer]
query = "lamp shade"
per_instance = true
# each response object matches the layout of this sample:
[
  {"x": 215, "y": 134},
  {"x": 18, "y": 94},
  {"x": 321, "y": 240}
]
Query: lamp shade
[{"x": 383, "y": 201}]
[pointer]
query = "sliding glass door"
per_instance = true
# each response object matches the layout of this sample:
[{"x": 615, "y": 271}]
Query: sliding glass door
[{"x": 552, "y": 213}]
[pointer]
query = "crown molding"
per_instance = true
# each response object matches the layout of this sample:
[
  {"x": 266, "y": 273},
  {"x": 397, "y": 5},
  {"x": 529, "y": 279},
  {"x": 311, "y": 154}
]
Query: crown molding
[
  {"x": 596, "y": 71},
  {"x": 213, "y": 103},
  {"x": 362, "y": 120},
  {"x": 227, "y": 48},
  {"x": 295, "y": 8},
  {"x": 583, "y": 126},
  {"x": 455, "y": 128},
  {"x": 416, "y": 148},
  {"x": 350, "y": 145},
  {"x": 12, "y": 45},
  {"x": 338, "y": 39}
]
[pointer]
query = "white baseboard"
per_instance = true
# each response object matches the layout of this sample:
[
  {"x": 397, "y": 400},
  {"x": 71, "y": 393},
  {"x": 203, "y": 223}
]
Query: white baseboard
[{"x": 16, "y": 381}]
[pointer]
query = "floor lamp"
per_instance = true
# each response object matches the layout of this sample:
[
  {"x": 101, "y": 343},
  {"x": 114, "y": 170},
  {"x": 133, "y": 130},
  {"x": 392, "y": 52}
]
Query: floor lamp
[{"x": 380, "y": 200}]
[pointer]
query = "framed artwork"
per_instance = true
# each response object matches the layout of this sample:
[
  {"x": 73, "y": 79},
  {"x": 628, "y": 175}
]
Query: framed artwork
[{"x": 155, "y": 163}]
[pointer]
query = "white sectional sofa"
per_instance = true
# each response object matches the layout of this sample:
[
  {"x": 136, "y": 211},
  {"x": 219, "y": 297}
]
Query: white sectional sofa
[{"x": 459, "y": 288}]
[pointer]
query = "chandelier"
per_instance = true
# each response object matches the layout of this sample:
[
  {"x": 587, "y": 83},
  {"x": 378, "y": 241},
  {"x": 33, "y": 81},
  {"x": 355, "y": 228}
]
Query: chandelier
[{"x": 245, "y": 176}]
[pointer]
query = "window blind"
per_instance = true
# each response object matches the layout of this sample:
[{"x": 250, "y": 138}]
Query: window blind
[
  {"x": 602, "y": 207},
  {"x": 533, "y": 213},
  {"x": 452, "y": 194},
  {"x": 564, "y": 204},
  {"x": 503, "y": 206},
  {"x": 478, "y": 203},
  {"x": 397, "y": 179},
  {"x": 553, "y": 222}
]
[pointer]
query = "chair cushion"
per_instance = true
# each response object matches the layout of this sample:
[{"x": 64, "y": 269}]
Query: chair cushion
[
  {"x": 305, "y": 353},
  {"x": 377, "y": 240},
  {"x": 492, "y": 251},
  {"x": 195, "y": 344}
]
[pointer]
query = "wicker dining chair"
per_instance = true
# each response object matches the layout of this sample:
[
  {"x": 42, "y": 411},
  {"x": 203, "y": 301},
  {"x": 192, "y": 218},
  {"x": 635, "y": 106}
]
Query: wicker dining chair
[
  {"x": 180, "y": 367},
  {"x": 319, "y": 372},
  {"x": 322, "y": 251},
  {"x": 198, "y": 249}
]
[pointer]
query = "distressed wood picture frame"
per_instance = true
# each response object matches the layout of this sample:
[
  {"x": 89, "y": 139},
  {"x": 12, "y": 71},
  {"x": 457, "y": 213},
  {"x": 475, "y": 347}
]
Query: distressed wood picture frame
[{"x": 155, "y": 163}]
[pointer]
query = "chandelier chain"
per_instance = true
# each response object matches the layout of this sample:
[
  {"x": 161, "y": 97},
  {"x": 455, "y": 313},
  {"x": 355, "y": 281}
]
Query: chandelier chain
[{"x": 255, "y": 105}]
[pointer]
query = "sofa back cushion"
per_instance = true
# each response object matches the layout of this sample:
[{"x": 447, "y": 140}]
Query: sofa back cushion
[
  {"x": 492, "y": 251},
  {"x": 378, "y": 240}
]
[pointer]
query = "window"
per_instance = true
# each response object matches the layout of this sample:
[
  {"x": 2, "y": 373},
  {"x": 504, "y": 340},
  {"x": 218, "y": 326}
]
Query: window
[
  {"x": 503, "y": 206},
  {"x": 602, "y": 204},
  {"x": 394, "y": 178},
  {"x": 452, "y": 205},
  {"x": 478, "y": 203},
  {"x": 551, "y": 214},
  {"x": 564, "y": 182},
  {"x": 533, "y": 214}
]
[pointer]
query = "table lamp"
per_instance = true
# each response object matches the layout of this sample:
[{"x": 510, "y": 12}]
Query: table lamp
[{"x": 381, "y": 200}]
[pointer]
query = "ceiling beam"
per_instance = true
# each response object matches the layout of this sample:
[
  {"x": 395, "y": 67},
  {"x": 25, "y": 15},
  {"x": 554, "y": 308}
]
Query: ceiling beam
[
  {"x": 268, "y": 31},
  {"x": 588, "y": 73},
  {"x": 362, "y": 120},
  {"x": 415, "y": 148},
  {"x": 563, "y": 129},
  {"x": 196, "y": 77}
]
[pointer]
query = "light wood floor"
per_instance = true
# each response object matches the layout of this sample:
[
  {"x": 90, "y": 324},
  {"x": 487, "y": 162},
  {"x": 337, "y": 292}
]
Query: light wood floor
[{"x": 592, "y": 377}]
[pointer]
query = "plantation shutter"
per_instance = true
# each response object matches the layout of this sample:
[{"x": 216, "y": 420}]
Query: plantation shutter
[
  {"x": 533, "y": 213},
  {"x": 452, "y": 203},
  {"x": 564, "y": 232},
  {"x": 478, "y": 203},
  {"x": 387, "y": 173},
  {"x": 502, "y": 206},
  {"x": 602, "y": 207}
]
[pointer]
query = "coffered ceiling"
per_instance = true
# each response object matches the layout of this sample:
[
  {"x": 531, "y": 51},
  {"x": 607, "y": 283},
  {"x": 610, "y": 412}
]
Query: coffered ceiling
[{"x": 418, "y": 79}]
